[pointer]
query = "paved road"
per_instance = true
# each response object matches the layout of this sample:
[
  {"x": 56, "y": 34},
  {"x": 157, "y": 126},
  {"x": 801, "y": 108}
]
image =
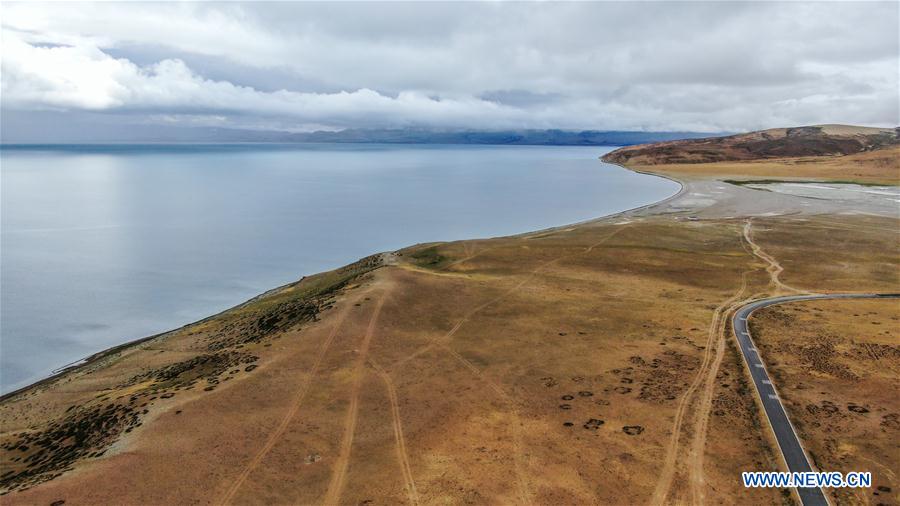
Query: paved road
[{"x": 787, "y": 439}]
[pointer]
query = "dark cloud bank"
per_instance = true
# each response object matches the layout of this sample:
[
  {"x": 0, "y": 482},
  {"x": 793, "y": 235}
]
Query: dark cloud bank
[{"x": 219, "y": 71}]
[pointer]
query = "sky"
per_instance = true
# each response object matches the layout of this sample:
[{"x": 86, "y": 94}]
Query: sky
[{"x": 668, "y": 66}]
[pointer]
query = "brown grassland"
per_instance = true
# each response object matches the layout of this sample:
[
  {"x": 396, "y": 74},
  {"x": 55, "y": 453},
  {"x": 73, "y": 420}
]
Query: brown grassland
[
  {"x": 871, "y": 167},
  {"x": 838, "y": 364},
  {"x": 584, "y": 364}
]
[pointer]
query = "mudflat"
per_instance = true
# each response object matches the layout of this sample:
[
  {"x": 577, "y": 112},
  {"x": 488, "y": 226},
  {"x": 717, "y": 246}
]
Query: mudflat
[{"x": 590, "y": 363}]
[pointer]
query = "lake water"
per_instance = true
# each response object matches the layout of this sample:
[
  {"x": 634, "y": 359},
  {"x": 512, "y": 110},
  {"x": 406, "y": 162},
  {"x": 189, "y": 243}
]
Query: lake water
[{"x": 102, "y": 245}]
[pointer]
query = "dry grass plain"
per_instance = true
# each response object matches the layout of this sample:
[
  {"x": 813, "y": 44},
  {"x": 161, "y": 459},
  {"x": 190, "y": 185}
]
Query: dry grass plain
[
  {"x": 838, "y": 363},
  {"x": 870, "y": 167},
  {"x": 586, "y": 364}
]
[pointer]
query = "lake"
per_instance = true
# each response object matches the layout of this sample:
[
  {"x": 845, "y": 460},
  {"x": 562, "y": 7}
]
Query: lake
[{"x": 106, "y": 244}]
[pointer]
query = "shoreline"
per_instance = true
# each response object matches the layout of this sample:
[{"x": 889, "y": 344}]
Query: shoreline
[
  {"x": 628, "y": 310},
  {"x": 93, "y": 358},
  {"x": 682, "y": 188}
]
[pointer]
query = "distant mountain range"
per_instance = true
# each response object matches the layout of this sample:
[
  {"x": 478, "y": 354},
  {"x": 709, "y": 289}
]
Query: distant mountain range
[
  {"x": 512, "y": 137},
  {"x": 36, "y": 129}
]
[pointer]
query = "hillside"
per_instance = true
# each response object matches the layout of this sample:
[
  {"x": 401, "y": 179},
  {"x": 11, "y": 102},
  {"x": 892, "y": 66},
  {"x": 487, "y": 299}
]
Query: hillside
[{"x": 820, "y": 140}]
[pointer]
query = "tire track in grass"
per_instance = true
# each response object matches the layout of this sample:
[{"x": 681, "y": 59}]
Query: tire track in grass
[
  {"x": 664, "y": 483},
  {"x": 339, "y": 473},
  {"x": 275, "y": 436},
  {"x": 440, "y": 341},
  {"x": 402, "y": 453}
]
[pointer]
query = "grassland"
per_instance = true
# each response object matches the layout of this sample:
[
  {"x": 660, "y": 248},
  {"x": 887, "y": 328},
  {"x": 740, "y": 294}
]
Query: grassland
[
  {"x": 871, "y": 167},
  {"x": 584, "y": 364},
  {"x": 837, "y": 362}
]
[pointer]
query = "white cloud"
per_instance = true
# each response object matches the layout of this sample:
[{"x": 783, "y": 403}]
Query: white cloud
[
  {"x": 62, "y": 76},
  {"x": 705, "y": 66},
  {"x": 83, "y": 77}
]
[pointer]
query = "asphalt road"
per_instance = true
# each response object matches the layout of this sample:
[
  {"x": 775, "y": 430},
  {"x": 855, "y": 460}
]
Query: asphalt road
[{"x": 791, "y": 449}]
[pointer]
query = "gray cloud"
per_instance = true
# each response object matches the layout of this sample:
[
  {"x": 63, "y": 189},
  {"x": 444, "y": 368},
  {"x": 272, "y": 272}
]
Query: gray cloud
[{"x": 608, "y": 65}]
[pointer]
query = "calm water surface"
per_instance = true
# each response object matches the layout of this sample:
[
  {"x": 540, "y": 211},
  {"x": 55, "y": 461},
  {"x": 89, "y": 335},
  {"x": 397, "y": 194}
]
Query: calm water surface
[{"x": 102, "y": 245}]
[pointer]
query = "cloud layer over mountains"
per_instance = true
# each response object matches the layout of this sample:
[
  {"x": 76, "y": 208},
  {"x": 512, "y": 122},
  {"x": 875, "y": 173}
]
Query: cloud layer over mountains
[{"x": 706, "y": 66}]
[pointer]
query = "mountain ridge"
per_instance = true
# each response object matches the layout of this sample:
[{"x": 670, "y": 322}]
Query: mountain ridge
[{"x": 50, "y": 130}]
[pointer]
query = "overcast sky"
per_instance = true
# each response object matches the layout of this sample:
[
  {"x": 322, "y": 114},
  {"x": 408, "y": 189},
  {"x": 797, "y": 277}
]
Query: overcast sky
[{"x": 709, "y": 66}]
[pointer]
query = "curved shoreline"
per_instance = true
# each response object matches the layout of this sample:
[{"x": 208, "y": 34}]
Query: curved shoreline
[{"x": 93, "y": 358}]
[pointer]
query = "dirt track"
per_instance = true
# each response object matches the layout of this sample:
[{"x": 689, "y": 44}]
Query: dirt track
[{"x": 339, "y": 473}]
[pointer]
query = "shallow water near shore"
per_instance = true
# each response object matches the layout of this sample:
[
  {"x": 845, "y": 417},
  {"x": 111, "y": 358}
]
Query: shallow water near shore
[{"x": 106, "y": 244}]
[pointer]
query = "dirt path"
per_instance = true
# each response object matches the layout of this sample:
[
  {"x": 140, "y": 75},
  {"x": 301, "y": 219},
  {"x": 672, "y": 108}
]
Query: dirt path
[
  {"x": 445, "y": 337},
  {"x": 402, "y": 453},
  {"x": 290, "y": 414},
  {"x": 431, "y": 344},
  {"x": 470, "y": 252},
  {"x": 774, "y": 269},
  {"x": 701, "y": 420},
  {"x": 664, "y": 484},
  {"x": 441, "y": 342},
  {"x": 718, "y": 335},
  {"x": 339, "y": 473}
]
